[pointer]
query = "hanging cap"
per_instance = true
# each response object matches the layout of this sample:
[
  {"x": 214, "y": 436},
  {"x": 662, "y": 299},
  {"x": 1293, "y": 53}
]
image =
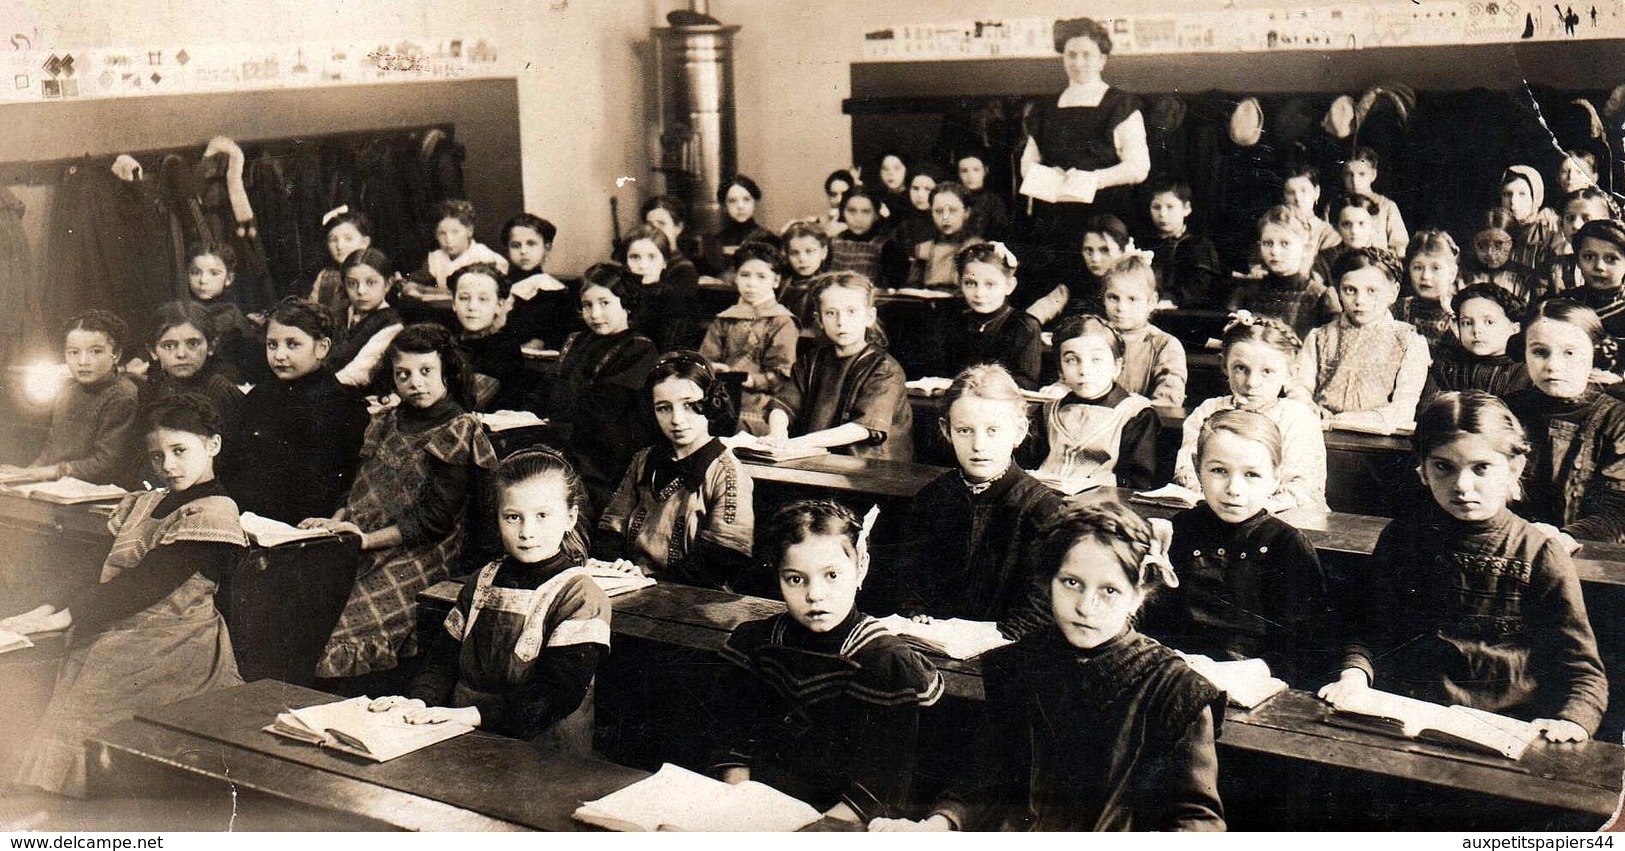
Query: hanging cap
[
  {"x": 1247, "y": 123},
  {"x": 1339, "y": 120}
]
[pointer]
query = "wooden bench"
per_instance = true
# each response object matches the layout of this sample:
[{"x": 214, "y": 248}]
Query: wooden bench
[{"x": 1583, "y": 777}]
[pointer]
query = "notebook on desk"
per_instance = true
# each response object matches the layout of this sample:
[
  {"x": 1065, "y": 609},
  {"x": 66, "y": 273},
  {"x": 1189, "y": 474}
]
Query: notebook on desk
[
  {"x": 267, "y": 532},
  {"x": 1458, "y": 726},
  {"x": 1247, "y": 683},
  {"x": 1168, "y": 496},
  {"x": 348, "y": 726},
  {"x": 952, "y": 637},
  {"x": 675, "y": 798},
  {"x": 752, "y": 449},
  {"x": 69, "y": 491}
]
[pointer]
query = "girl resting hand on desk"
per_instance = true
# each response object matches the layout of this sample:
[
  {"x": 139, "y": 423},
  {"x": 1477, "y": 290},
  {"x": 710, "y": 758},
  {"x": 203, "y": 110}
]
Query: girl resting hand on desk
[
  {"x": 1467, "y": 603},
  {"x": 520, "y": 648}
]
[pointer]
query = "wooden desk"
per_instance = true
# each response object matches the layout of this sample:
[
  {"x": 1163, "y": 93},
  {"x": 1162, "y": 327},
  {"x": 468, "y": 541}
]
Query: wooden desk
[
  {"x": 1583, "y": 777},
  {"x": 479, "y": 781},
  {"x": 870, "y": 477},
  {"x": 280, "y": 603},
  {"x": 1356, "y": 534}
]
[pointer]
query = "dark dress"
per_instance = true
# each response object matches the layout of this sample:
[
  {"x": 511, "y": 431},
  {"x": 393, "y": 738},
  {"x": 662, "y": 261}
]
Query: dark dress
[
  {"x": 1486, "y": 614},
  {"x": 497, "y": 356},
  {"x": 522, "y": 644},
  {"x": 825, "y": 391},
  {"x": 1610, "y": 307},
  {"x": 1303, "y": 302},
  {"x": 1007, "y": 337},
  {"x": 597, "y": 406},
  {"x": 1248, "y": 590},
  {"x": 667, "y": 311},
  {"x": 720, "y": 246},
  {"x": 1076, "y": 439},
  {"x": 969, "y": 555},
  {"x": 239, "y": 350},
  {"x": 295, "y": 451},
  {"x": 1119, "y": 737},
  {"x": 1188, "y": 269},
  {"x": 828, "y": 718},
  {"x": 226, "y": 397},
  {"x": 1575, "y": 476},
  {"x": 1455, "y": 368},
  {"x": 1078, "y": 137}
]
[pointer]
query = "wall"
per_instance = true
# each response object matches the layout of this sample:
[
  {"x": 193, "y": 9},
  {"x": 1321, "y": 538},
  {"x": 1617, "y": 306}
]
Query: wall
[
  {"x": 582, "y": 100},
  {"x": 793, "y": 72}
]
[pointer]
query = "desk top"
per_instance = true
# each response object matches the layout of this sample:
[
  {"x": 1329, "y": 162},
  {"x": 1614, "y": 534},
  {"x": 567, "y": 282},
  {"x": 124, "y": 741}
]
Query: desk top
[
  {"x": 76, "y": 520},
  {"x": 873, "y": 476},
  {"x": 477, "y": 781},
  {"x": 1583, "y": 777},
  {"x": 1356, "y": 534}
]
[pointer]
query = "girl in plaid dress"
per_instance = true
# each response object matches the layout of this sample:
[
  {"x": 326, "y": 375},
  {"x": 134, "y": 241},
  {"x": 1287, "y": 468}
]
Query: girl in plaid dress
[{"x": 417, "y": 469}]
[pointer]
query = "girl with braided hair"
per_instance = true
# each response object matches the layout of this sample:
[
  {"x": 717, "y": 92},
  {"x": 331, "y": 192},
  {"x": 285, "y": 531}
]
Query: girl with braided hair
[
  {"x": 148, "y": 634},
  {"x": 1089, "y": 725},
  {"x": 823, "y": 703}
]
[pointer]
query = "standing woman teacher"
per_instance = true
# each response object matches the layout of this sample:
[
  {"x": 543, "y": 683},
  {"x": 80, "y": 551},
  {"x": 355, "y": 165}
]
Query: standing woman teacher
[{"x": 1091, "y": 128}]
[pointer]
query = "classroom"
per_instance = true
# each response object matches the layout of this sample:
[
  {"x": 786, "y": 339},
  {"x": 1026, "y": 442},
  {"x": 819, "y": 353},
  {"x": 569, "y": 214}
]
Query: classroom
[{"x": 1012, "y": 415}]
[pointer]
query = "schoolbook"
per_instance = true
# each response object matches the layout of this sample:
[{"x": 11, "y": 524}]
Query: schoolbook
[
  {"x": 953, "y": 637},
  {"x": 11, "y": 639},
  {"x": 1459, "y": 726},
  {"x": 1245, "y": 682},
  {"x": 675, "y": 798},
  {"x": 350, "y": 727},
  {"x": 69, "y": 491},
  {"x": 766, "y": 454},
  {"x": 266, "y": 532},
  {"x": 1168, "y": 496},
  {"x": 1068, "y": 486},
  {"x": 614, "y": 581}
]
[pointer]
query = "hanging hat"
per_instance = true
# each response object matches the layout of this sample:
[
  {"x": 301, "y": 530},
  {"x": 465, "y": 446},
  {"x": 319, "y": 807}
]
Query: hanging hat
[
  {"x": 1247, "y": 123},
  {"x": 1614, "y": 108},
  {"x": 1376, "y": 96},
  {"x": 1339, "y": 120},
  {"x": 1167, "y": 114}
]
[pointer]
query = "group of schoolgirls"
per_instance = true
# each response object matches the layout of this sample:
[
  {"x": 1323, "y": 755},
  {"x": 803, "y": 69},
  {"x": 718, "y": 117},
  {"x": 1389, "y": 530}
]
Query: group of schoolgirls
[{"x": 1464, "y": 601}]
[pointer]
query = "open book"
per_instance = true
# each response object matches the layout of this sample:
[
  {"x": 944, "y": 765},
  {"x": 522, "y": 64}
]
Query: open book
[
  {"x": 69, "y": 491},
  {"x": 675, "y": 798},
  {"x": 955, "y": 637},
  {"x": 1169, "y": 496},
  {"x": 1048, "y": 183},
  {"x": 1461, "y": 726},
  {"x": 505, "y": 420},
  {"x": 538, "y": 352},
  {"x": 1246, "y": 682},
  {"x": 753, "y": 449},
  {"x": 615, "y": 582},
  {"x": 928, "y": 386},
  {"x": 1070, "y": 487},
  {"x": 267, "y": 532},
  {"x": 921, "y": 292},
  {"x": 11, "y": 639},
  {"x": 348, "y": 726}
]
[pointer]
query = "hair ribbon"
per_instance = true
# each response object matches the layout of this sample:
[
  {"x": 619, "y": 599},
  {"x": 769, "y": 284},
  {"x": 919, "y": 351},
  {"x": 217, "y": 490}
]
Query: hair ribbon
[
  {"x": 1144, "y": 254},
  {"x": 334, "y": 213},
  {"x": 1240, "y": 318},
  {"x": 1156, "y": 555},
  {"x": 1004, "y": 253},
  {"x": 864, "y": 530}
]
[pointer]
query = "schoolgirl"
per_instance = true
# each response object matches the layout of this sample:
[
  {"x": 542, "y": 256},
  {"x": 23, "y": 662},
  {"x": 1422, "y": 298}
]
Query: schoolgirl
[
  {"x": 1467, "y": 603},
  {"x": 148, "y": 633},
  {"x": 822, "y": 702},
  {"x": 989, "y": 329},
  {"x": 683, "y": 512},
  {"x": 738, "y": 197},
  {"x": 1258, "y": 355},
  {"x": 93, "y": 418},
  {"x": 756, "y": 337},
  {"x": 518, "y": 652},
  {"x": 1097, "y": 431},
  {"x": 409, "y": 502}
]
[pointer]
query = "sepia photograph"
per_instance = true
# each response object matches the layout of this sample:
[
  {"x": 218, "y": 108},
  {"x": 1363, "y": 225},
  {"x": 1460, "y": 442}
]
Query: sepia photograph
[{"x": 917, "y": 417}]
